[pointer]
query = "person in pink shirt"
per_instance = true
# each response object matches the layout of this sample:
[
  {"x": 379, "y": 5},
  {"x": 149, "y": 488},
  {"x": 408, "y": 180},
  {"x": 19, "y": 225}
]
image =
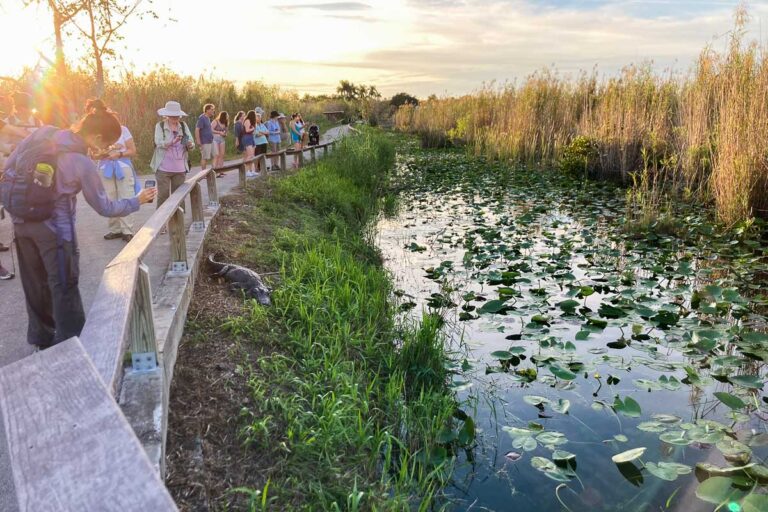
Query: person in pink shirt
[{"x": 173, "y": 141}]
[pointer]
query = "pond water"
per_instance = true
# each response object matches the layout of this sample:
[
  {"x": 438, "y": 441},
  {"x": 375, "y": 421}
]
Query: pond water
[{"x": 578, "y": 342}]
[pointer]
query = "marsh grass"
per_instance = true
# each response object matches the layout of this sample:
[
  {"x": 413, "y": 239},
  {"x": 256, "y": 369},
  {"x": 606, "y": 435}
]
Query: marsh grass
[
  {"x": 348, "y": 402},
  {"x": 137, "y": 96},
  {"x": 708, "y": 130}
]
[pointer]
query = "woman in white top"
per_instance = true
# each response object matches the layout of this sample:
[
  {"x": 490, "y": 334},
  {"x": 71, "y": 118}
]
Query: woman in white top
[{"x": 118, "y": 177}]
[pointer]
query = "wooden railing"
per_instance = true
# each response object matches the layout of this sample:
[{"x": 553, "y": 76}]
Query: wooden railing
[
  {"x": 71, "y": 447},
  {"x": 282, "y": 155}
]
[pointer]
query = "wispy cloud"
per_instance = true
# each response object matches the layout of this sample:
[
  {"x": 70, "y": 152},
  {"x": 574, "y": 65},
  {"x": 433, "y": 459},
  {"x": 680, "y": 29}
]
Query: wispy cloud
[{"x": 326, "y": 6}]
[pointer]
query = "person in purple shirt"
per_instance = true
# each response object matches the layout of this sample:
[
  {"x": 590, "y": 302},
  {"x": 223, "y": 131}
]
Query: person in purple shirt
[{"x": 48, "y": 252}]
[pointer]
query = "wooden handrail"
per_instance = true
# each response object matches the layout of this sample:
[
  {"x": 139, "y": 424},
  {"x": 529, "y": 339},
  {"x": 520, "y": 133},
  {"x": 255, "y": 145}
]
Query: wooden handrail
[{"x": 107, "y": 333}]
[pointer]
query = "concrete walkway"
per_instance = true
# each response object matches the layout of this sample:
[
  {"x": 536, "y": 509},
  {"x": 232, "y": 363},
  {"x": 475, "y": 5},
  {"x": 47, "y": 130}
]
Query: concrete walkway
[{"x": 95, "y": 253}]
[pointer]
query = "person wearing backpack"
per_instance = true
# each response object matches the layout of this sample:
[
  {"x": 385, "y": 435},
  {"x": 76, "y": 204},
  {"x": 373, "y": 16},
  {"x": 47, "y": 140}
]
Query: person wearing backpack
[
  {"x": 173, "y": 141},
  {"x": 39, "y": 188}
]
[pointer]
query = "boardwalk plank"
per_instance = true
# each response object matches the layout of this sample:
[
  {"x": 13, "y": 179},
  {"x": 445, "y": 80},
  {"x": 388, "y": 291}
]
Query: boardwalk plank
[{"x": 70, "y": 447}]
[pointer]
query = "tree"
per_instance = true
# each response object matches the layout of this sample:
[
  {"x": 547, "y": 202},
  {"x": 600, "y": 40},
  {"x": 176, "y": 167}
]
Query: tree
[
  {"x": 63, "y": 11},
  {"x": 351, "y": 92},
  {"x": 100, "y": 22},
  {"x": 347, "y": 90},
  {"x": 403, "y": 98}
]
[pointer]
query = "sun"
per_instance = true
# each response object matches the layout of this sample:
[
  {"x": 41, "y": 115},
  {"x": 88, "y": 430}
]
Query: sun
[{"x": 25, "y": 37}]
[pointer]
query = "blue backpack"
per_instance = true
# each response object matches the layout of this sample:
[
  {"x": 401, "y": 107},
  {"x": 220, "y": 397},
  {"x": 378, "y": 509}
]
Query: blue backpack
[{"x": 29, "y": 190}]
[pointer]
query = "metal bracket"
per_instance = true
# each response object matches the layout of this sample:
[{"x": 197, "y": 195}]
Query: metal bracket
[
  {"x": 198, "y": 226},
  {"x": 213, "y": 204},
  {"x": 144, "y": 361},
  {"x": 179, "y": 267}
]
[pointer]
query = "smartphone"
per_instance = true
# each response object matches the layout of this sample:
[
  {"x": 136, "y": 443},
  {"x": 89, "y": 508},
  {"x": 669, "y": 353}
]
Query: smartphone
[{"x": 150, "y": 183}]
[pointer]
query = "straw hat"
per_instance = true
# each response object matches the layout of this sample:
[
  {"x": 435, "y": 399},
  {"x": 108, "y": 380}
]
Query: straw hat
[{"x": 171, "y": 109}]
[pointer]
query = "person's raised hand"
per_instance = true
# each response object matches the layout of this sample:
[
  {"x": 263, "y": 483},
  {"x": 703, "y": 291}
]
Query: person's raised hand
[{"x": 147, "y": 195}]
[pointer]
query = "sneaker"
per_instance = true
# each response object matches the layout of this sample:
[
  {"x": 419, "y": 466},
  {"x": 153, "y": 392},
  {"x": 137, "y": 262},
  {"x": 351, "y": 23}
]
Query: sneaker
[
  {"x": 4, "y": 274},
  {"x": 113, "y": 236},
  {"x": 127, "y": 237},
  {"x": 4, "y": 248}
]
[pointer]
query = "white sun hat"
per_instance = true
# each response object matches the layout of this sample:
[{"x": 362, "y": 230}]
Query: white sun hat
[{"x": 171, "y": 109}]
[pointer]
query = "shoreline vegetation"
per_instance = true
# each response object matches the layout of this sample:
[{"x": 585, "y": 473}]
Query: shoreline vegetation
[
  {"x": 137, "y": 96},
  {"x": 702, "y": 137},
  {"x": 341, "y": 405}
]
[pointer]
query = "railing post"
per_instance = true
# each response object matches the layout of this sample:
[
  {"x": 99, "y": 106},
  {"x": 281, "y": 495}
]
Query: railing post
[
  {"x": 196, "y": 198},
  {"x": 241, "y": 173},
  {"x": 301, "y": 157},
  {"x": 142, "y": 327},
  {"x": 325, "y": 150},
  {"x": 213, "y": 191},
  {"x": 282, "y": 160},
  {"x": 312, "y": 154},
  {"x": 178, "y": 243},
  {"x": 262, "y": 164}
]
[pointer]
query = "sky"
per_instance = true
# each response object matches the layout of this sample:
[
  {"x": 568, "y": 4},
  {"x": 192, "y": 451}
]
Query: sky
[{"x": 443, "y": 47}]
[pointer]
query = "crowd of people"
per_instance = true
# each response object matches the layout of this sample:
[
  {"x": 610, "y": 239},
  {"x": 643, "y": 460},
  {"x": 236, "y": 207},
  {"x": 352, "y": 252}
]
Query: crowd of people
[{"x": 95, "y": 157}]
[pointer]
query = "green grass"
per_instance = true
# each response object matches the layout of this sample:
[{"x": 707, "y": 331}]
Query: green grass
[{"x": 352, "y": 406}]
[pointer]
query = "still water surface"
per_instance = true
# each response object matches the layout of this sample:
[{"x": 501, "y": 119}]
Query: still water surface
[{"x": 574, "y": 337}]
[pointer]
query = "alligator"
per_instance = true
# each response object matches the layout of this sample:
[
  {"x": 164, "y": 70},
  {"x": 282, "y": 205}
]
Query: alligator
[{"x": 241, "y": 278}]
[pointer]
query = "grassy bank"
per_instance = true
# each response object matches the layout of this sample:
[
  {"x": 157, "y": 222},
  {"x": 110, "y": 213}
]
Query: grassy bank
[
  {"x": 343, "y": 405},
  {"x": 703, "y": 135}
]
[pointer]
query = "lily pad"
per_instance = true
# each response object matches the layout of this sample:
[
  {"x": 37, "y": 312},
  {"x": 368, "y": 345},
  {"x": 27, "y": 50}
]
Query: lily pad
[{"x": 629, "y": 455}]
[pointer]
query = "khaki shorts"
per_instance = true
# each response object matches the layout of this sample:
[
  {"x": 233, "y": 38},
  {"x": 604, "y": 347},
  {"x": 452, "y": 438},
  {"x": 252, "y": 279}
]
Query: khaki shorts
[{"x": 208, "y": 151}]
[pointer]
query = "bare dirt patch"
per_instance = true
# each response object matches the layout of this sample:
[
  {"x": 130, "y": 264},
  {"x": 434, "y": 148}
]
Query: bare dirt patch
[{"x": 205, "y": 454}]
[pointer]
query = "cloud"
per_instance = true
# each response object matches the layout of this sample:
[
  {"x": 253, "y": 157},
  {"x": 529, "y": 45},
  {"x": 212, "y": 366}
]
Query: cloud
[
  {"x": 326, "y": 6},
  {"x": 459, "y": 47}
]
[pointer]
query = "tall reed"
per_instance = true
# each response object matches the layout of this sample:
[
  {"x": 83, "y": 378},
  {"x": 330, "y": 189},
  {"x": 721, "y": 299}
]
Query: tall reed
[
  {"x": 705, "y": 133},
  {"x": 137, "y": 97}
]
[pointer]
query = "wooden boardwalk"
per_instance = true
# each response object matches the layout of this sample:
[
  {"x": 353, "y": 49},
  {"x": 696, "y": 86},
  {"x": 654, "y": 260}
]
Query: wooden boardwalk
[{"x": 95, "y": 253}]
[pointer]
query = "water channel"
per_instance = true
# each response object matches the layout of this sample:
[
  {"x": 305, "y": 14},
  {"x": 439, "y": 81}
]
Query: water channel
[{"x": 579, "y": 340}]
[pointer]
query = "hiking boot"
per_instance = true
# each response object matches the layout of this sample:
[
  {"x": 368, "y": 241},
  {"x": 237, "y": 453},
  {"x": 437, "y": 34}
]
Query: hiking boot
[
  {"x": 113, "y": 236},
  {"x": 4, "y": 248},
  {"x": 4, "y": 274}
]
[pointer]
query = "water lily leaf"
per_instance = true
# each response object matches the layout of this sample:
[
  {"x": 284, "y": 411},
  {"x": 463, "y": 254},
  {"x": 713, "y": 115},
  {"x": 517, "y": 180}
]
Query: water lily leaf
[
  {"x": 628, "y": 407},
  {"x": 666, "y": 418},
  {"x": 562, "y": 405},
  {"x": 676, "y": 437},
  {"x": 629, "y": 455},
  {"x": 664, "y": 319},
  {"x": 551, "y": 438},
  {"x": 492, "y": 306},
  {"x": 515, "y": 432},
  {"x": 734, "y": 451},
  {"x": 717, "y": 490},
  {"x": 730, "y": 400},
  {"x": 651, "y": 426},
  {"x": 755, "y": 503},
  {"x": 535, "y": 400},
  {"x": 748, "y": 381},
  {"x": 582, "y": 335},
  {"x": 663, "y": 472},
  {"x": 502, "y": 355},
  {"x": 562, "y": 373},
  {"x": 550, "y": 469},
  {"x": 647, "y": 385},
  {"x": 621, "y": 438},
  {"x": 569, "y": 306},
  {"x": 608, "y": 311}
]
